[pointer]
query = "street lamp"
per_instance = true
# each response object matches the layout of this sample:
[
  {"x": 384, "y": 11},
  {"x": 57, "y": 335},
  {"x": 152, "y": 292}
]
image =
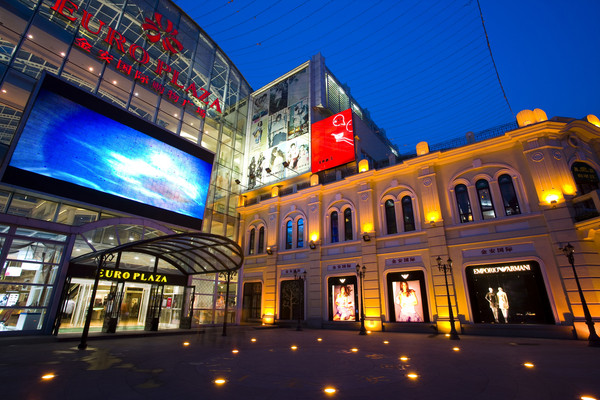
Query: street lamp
[
  {"x": 593, "y": 339},
  {"x": 448, "y": 268},
  {"x": 300, "y": 277},
  {"x": 227, "y": 275},
  {"x": 361, "y": 276}
]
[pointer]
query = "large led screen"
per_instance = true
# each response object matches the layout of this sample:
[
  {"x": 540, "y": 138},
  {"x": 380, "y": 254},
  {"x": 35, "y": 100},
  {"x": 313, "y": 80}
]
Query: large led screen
[
  {"x": 332, "y": 142},
  {"x": 67, "y": 142}
]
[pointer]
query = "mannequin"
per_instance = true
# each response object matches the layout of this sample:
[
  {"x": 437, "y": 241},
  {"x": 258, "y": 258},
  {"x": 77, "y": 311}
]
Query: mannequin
[
  {"x": 503, "y": 304},
  {"x": 493, "y": 300}
]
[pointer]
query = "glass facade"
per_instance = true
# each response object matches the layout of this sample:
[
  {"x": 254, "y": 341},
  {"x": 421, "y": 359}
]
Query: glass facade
[{"x": 155, "y": 62}]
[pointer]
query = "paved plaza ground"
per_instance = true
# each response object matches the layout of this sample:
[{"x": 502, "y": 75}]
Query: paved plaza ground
[{"x": 267, "y": 367}]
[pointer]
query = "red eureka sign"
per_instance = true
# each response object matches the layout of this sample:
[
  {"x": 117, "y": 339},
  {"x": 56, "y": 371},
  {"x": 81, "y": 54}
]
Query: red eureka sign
[
  {"x": 158, "y": 29},
  {"x": 332, "y": 142}
]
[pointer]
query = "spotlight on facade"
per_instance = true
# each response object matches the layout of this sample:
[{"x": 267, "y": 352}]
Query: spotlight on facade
[
  {"x": 237, "y": 181},
  {"x": 268, "y": 170},
  {"x": 269, "y": 251},
  {"x": 312, "y": 244},
  {"x": 366, "y": 237},
  {"x": 286, "y": 164}
]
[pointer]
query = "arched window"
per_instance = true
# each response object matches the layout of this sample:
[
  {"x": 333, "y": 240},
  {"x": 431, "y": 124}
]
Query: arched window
[
  {"x": 509, "y": 196},
  {"x": 335, "y": 237},
  {"x": 288, "y": 235},
  {"x": 585, "y": 178},
  {"x": 463, "y": 203},
  {"x": 261, "y": 240},
  {"x": 348, "y": 224},
  {"x": 390, "y": 217},
  {"x": 300, "y": 233},
  {"x": 408, "y": 214},
  {"x": 485, "y": 199},
  {"x": 251, "y": 241}
]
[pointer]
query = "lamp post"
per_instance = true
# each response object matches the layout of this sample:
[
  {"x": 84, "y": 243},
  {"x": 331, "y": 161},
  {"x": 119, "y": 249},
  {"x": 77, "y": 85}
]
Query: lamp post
[
  {"x": 300, "y": 277},
  {"x": 593, "y": 339},
  {"x": 361, "y": 276},
  {"x": 448, "y": 268},
  {"x": 227, "y": 275}
]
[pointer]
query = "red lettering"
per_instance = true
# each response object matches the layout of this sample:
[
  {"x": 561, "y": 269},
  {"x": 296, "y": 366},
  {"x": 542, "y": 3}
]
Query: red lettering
[
  {"x": 216, "y": 105},
  {"x": 201, "y": 112},
  {"x": 204, "y": 96},
  {"x": 60, "y": 8},
  {"x": 105, "y": 56},
  {"x": 141, "y": 77},
  {"x": 161, "y": 66},
  {"x": 192, "y": 87},
  {"x": 85, "y": 21},
  {"x": 116, "y": 37},
  {"x": 126, "y": 68},
  {"x": 174, "y": 79},
  {"x": 145, "y": 57}
]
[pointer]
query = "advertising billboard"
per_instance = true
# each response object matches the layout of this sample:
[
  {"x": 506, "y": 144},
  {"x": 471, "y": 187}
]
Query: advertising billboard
[
  {"x": 407, "y": 297},
  {"x": 75, "y": 145},
  {"x": 279, "y": 132},
  {"x": 332, "y": 142}
]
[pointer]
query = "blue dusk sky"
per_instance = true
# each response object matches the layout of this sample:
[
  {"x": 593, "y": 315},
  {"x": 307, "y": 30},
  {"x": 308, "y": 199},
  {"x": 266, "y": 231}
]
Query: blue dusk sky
[{"x": 423, "y": 68}]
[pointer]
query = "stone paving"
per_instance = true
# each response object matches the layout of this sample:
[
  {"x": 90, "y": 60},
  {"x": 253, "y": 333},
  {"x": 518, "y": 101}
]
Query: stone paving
[{"x": 266, "y": 366}]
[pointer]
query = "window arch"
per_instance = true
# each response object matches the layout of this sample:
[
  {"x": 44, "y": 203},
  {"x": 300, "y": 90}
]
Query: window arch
[
  {"x": 261, "y": 240},
  {"x": 408, "y": 215},
  {"x": 484, "y": 195},
  {"x": 288, "y": 234},
  {"x": 256, "y": 245},
  {"x": 348, "y": 234},
  {"x": 509, "y": 196},
  {"x": 333, "y": 220},
  {"x": 463, "y": 203},
  {"x": 251, "y": 241},
  {"x": 300, "y": 233},
  {"x": 586, "y": 178},
  {"x": 390, "y": 217}
]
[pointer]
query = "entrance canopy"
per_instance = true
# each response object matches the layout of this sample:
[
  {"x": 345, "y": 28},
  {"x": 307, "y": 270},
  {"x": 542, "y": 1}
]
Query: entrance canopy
[{"x": 190, "y": 253}]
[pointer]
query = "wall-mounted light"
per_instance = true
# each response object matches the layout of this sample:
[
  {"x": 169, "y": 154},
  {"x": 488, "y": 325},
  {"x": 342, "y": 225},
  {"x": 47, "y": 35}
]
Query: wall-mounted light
[
  {"x": 268, "y": 170},
  {"x": 312, "y": 244},
  {"x": 286, "y": 164},
  {"x": 269, "y": 250},
  {"x": 366, "y": 237}
]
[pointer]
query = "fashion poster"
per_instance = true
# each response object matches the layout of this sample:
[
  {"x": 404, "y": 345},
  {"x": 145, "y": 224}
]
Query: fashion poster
[
  {"x": 344, "y": 308},
  {"x": 298, "y": 87},
  {"x": 278, "y": 97},
  {"x": 258, "y": 135},
  {"x": 260, "y": 105},
  {"x": 275, "y": 157},
  {"x": 278, "y": 128},
  {"x": 298, "y": 119},
  {"x": 408, "y": 305},
  {"x": 297, "y": 156}
]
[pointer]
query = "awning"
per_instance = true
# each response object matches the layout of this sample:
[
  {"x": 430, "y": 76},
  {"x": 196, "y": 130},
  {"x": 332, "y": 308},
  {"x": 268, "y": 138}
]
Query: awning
[{"x": 190, "y": 253}]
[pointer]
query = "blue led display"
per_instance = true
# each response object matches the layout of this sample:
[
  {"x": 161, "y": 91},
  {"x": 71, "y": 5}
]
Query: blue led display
[{"x": 69, "y": 142}]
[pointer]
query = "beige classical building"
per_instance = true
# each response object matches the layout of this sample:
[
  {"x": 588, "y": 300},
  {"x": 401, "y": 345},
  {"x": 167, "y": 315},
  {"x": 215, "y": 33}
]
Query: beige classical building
[{"x": 500, "y": 208}]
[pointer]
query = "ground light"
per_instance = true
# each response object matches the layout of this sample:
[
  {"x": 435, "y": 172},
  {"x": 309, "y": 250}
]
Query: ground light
[
  {"x": 587, "y": 398},
  {"x": 456, "y": 348},
  {"x": 235, "y": 351},
  {"x": 528, "y": 365},
  {"x": 386, "y": 342},
  {"x": 354, "y": 349},
  {"x": 319, "y": 340},
  {"x": 253, "y": 340},
  {"x": 48, "y": 377},
  {"x": 404, "y": 358},
  {"x": 219, "y": 381},
  {"x": 412, "y": 376},
  {"x": 186, "y": 343},
  {"x": 294, "y": 347},
  {"x": 330, "y": 390}
]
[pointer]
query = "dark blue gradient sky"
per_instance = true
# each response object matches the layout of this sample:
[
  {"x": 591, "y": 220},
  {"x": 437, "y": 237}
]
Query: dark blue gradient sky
[{"x": 422, "y": 68}]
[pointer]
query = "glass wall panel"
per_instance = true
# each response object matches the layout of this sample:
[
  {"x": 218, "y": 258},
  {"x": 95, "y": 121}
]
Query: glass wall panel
[{"x": 32, "y": 207}]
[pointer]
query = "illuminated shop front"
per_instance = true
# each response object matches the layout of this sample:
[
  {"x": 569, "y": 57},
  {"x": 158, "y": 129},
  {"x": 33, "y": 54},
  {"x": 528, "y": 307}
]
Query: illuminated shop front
[
  {"x": 119, "y": 122},
  {"x": 498, "y": 209}
]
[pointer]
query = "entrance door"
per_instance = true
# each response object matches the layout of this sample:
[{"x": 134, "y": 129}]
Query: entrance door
[
  {"x": 154, "y": 307},
  {"x": 113, "y": 307},
  {"x": 251, "y": 303},
  {"x": 130, "y": 307}
]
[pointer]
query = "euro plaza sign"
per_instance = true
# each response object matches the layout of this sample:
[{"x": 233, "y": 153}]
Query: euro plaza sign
[{"x": 159, "y": 29}]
